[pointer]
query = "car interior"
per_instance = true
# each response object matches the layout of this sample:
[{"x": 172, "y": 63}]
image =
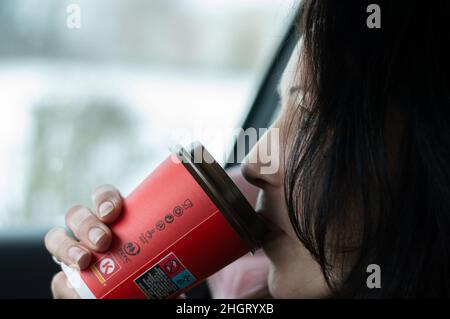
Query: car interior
[{"x": 27, "y": 269}]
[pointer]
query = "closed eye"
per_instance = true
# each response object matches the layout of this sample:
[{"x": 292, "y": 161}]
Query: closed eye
[{"x": 294, "y": 89}]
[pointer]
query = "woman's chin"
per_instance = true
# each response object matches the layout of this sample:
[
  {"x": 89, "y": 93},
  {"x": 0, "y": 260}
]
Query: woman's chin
[
  {"x": 282, "y": 286},
  {"x": 278, "y": 277},
  {"x": 278, "y": 288},
  {"x": 293, "y": 273}
]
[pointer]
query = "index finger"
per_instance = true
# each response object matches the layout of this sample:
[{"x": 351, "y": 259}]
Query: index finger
[{"x": 108, "y": 203}]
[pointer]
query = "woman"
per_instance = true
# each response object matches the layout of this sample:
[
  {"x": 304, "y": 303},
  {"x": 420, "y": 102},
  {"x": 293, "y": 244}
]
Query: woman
[{"x": 364, "y": 159}]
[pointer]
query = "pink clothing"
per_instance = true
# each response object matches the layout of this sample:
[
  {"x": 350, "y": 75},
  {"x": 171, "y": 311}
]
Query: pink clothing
[{"x": 245, "y": 278}]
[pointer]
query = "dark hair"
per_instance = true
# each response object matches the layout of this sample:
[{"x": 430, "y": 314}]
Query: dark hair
[{"x": 368, "y": 171}]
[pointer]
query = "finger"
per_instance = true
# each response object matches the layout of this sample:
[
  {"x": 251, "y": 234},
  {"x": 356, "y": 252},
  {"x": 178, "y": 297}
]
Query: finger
[
  {"x": 61, "y": 289},
  {"x": 67, "y": 249},
  {"x": 107, "y": 203},
  {"x": 88, "y": 228}
]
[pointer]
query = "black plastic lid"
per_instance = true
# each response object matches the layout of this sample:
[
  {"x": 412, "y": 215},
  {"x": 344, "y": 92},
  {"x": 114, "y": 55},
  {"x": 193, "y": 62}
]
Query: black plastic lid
[{"x": 223, "y": 192}]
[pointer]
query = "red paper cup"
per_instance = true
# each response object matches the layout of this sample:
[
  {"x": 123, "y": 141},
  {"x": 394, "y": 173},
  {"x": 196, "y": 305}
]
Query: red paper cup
[{"x": 183, "y": 223}]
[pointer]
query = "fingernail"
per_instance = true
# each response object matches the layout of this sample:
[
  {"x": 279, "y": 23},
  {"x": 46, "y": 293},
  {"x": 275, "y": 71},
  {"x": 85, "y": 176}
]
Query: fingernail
[
  {"x": 96, "y": 235},
  {"x": 76, "y": 254},
  {"x": 105, "y": 208}
]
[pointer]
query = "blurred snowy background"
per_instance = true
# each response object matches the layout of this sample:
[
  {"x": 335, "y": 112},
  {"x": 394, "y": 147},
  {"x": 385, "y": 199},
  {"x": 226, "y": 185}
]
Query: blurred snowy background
[{"x": 100, "y": 104}]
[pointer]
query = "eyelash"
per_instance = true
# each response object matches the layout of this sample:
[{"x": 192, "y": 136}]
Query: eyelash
[{"x": 294, "y": 89}]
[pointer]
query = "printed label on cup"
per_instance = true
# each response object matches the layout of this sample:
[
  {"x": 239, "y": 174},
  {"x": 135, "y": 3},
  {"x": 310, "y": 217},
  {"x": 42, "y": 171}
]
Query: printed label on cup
[{"x": 178, "y": 227}]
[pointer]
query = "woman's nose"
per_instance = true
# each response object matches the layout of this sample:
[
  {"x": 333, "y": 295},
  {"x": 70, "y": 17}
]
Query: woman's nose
[{"x": 261, "y": 166}]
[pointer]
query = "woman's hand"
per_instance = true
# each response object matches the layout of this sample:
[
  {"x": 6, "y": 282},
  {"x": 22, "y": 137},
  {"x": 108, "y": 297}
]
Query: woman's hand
[{"x": 92, "y": 234}]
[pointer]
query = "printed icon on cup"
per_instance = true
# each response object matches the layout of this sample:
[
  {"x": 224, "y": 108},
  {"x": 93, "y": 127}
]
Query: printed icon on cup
[
  {"x": 187, "y": 204},
  {"x": 145, "y": 237},
  {"x": 132, "y": 248},
  {"x": 171, "y": 266},
  {"x": 107, "y": 266},
  {"x": 178, "y": 211},
  {"x": 169, "y": 218},
  {"x": 186, "y": 279},
  {"x": 160, "y": 225}
]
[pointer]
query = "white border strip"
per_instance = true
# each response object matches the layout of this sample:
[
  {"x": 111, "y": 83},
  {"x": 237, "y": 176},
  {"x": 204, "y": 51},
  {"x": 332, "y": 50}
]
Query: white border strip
[{"x": 77, "y": 283}]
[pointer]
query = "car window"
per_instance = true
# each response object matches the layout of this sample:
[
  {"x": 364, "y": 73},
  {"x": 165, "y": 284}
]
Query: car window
[{"x": 94, "y": 92}]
